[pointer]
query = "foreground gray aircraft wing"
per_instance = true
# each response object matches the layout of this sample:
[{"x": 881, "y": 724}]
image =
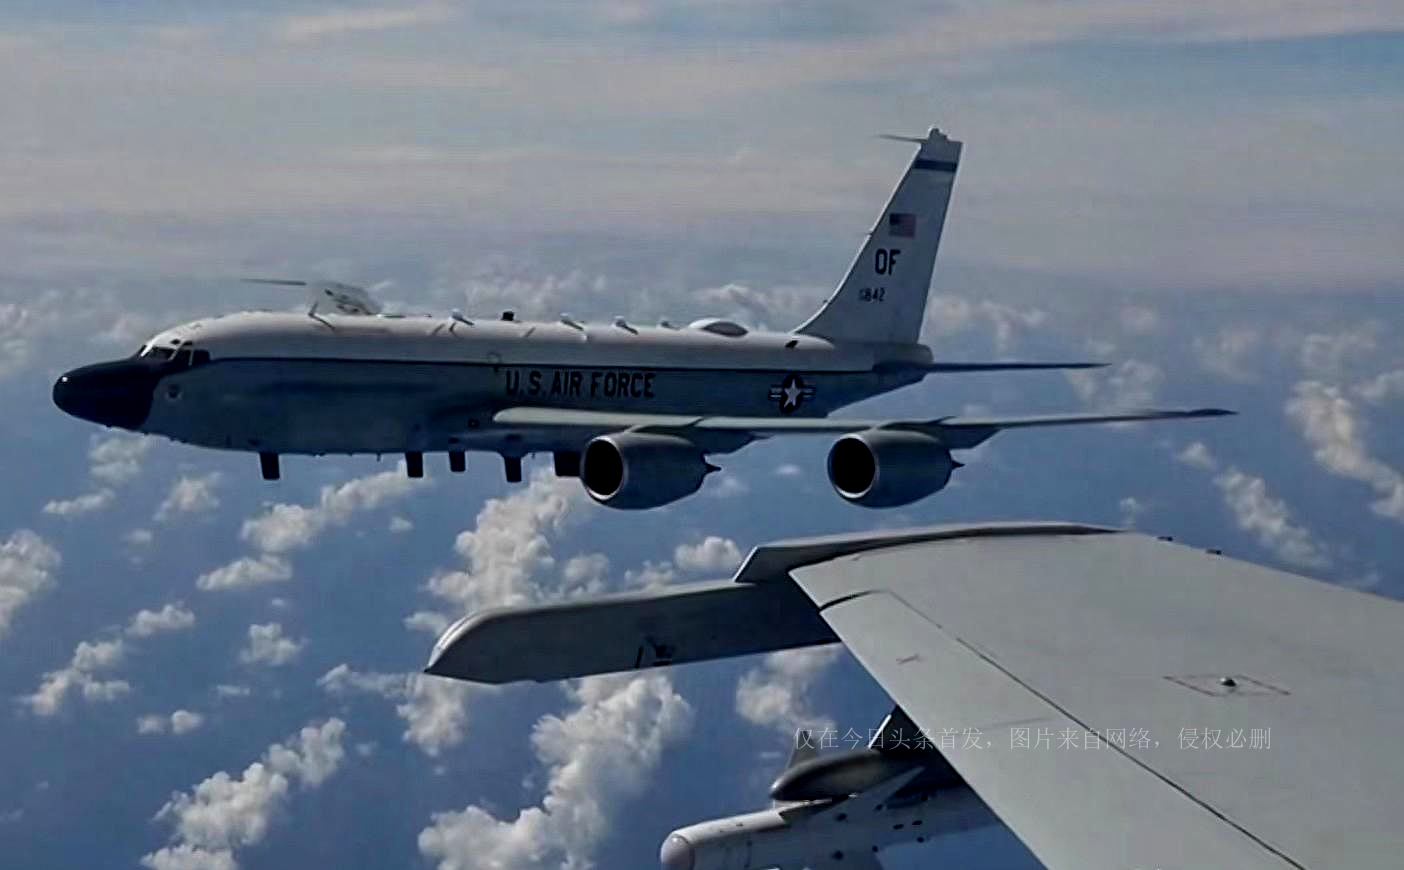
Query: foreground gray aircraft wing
[
  {"x": 1215, "y": 713},
  {"x": 1133, "y": 702},
  {"x": 955, "y": 432}
]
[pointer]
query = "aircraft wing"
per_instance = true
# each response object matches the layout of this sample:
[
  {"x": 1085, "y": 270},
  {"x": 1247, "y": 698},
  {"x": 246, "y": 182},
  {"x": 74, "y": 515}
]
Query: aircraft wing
[
  {"x": 956, "y": 432},
  {"x": 1139, "y": 703}
]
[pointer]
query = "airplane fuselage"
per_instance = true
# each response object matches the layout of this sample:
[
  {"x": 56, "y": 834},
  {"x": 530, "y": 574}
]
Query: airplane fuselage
[
  {"x": 283, "y": 382},
  {"x": 633, "y": 411}
]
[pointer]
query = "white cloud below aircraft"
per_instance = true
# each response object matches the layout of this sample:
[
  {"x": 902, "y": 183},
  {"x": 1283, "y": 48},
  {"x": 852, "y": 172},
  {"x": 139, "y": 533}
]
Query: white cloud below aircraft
[{"x": 633, "y": 410}]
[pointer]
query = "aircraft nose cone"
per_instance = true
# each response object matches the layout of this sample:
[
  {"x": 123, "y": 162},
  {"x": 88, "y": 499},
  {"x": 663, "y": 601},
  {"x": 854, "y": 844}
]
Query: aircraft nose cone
[
  {"x": 676, "y": 853},
  {"x": 113, "y": 394}
]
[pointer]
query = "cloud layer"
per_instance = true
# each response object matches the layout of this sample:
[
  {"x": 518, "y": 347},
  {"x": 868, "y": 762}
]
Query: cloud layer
[{"x": 223, "y": 814}]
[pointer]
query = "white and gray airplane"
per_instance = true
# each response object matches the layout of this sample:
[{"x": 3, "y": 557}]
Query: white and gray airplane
[
  {"x": 1118, "y": 701},
  {"x": 632, "y": 410}
]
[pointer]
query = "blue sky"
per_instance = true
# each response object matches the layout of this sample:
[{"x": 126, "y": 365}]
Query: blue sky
[{"x": 204, "y": 670}]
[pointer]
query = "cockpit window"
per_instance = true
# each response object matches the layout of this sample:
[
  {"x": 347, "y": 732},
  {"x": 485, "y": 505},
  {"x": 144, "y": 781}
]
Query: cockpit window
[{"x": 183, "y": 355}]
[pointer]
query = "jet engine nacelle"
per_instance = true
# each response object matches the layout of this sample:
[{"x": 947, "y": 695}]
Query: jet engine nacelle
[
  {"x": 800, "y": 835},
  {"x": 885, "y": 468},
  {"x": 633, "y": 470}
]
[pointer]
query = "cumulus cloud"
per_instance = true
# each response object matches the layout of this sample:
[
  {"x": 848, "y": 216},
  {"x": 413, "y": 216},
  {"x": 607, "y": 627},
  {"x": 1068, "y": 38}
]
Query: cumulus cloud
[
  {"x": 509, "y": 560},
  {"x": 1197, "y": 455},
  {"x": 775, "y": 694},
  {"x": 20, "y": 325},
  {"x": 651, "y": 575},
  {"x": 1330, "y": 355},
  {"x": 223, "y": 814},
  {"x": 86, "y": 673},
  {"x": 1230, "y": 352},
  {"x": 1129, "y": 384},
  {"x": 585, "y": 574},
  {"x": 269, "y": 646},
  {"x": 950, "y": 315},
  {"x": 1258, "y": 512},
  {"x": 80, "y": 677},
  {"x": 283, "y": 528},
  {"x": 171, "y": 617},
  {"x": 83, "y": 504},
  {"x": 427, "y": 621},
  {"x": 190, "y": 495},
  {"x": 1269, "y": 519},
  {"x": 725, "y": 484},
  {"x": 287, "y": 527},
  {"x": 116, "y": 459},
  {"x": 1140, "y": 319},
  {"x": 508, "y": 551},
  {"x": 434, "y": 710},
  {"x": 712, "y": 555},
  {"x": 246, "y": 571},
  {"x": 343, "y": 679},
  {"x": 27, "y": 563},
  {"x": 1382, "y": 387},
  {"x": 1131, "y": 510},
  {"x": 177, "y": 723},
  {"x": 598, "y": 756},
  {"x": 1328, "y": 420}
]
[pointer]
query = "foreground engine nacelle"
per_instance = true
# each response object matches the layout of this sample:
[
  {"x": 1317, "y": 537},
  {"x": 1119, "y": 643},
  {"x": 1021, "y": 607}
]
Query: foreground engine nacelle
[
  {"x": 886, "y": 468},
  {"x": 802, "y": 835},
  {"x": 632, "y": 470}
]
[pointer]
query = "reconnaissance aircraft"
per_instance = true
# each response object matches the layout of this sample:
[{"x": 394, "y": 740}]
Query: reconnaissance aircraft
[{"x": 632, "y": 410}]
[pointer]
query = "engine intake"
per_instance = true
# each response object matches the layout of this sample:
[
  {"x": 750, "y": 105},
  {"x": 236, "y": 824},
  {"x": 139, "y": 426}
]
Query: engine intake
[
  {"x": 633, "y": 471},
  {"x": 882, "y": 468}
]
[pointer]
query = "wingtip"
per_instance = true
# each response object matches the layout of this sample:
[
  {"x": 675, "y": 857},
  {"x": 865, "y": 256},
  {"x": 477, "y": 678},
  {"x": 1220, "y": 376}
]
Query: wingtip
[{"x": 433, "y": 666}]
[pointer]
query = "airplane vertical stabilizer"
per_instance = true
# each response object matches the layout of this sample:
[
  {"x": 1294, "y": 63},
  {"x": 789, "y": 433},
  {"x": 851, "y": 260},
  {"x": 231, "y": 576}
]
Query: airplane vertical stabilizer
[{"x": 883, "y": 297}]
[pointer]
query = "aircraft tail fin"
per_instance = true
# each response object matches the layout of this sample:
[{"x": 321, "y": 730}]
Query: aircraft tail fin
[{"x": 883, "y": 296}]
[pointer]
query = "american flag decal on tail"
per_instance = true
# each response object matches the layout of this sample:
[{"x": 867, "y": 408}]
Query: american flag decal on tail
[{"x": 901, "y": 224}]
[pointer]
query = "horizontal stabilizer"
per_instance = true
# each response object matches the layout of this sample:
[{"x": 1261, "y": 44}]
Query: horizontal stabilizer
[
  {"x": 965, "y": 432},
  {"x": 630, "y": 631}
]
